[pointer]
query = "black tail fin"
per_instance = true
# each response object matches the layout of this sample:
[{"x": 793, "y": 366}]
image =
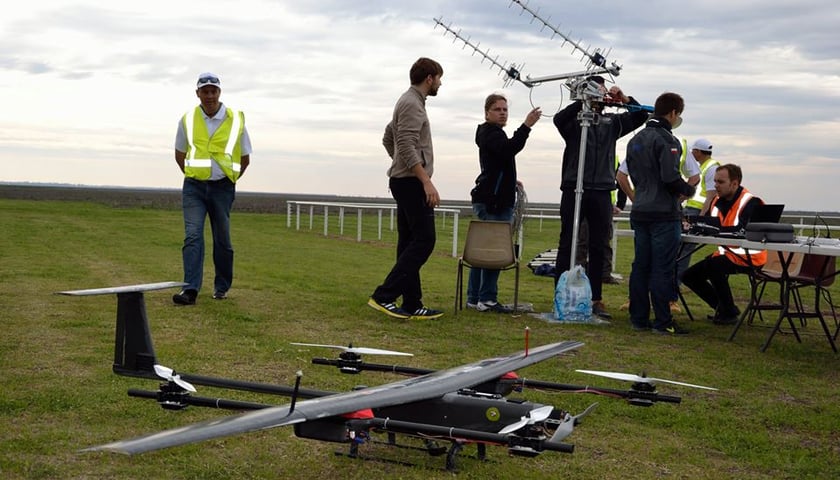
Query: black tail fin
[{"x": 134, "y": 354}]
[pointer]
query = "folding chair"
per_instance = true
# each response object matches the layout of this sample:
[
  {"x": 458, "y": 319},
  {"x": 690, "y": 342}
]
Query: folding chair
[
  {"x": 818, "y": 271},
  {"x": 772, "y": 272},
  {"x": 489, "y": 245}
]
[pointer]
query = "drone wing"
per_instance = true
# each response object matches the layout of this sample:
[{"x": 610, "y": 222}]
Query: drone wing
[{"x": 414, "y": 389}]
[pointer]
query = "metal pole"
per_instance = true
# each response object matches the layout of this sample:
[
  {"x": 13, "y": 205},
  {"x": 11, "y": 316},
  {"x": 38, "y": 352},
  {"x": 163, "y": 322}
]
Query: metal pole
[{"x": 585, "y": 116}]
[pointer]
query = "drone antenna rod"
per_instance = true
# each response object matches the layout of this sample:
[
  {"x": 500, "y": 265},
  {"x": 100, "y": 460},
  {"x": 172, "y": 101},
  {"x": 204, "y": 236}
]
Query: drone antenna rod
[
  {"x": 298, "y": 375},
  {"x": 535, "y": 15},
  {"x": 467, "y": 41}
]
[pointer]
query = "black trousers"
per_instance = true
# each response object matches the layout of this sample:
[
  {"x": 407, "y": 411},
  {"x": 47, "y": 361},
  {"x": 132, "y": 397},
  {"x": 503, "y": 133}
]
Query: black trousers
[
  {"x": 596, "y": 208},
  {"x": 415, "y": 243},
  {"x": 708, "y": 279}
]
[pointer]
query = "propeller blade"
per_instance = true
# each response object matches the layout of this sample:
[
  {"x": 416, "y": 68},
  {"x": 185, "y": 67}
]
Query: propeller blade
[
  {"x": 359, "y": 350},
  {"x": 534, "y": 416},
  {"x": 683, "y": 384},
  {"x": 564, "y": 429},
  {"x": 540, "y": 414},
  {"x": 167, "y": 373},
  {"x": 636, "y": 378},
  {"x": 569, "y": 422},
  {"x": 514, "y": 426}
]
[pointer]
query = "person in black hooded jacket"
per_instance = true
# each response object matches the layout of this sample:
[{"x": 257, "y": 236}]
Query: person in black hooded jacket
[
  {"x": 494, "y": 194},
  {"x": 598, "y": 179}
]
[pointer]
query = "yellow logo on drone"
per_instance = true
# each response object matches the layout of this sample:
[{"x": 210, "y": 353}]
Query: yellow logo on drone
[{"x": 492, "y": 414}]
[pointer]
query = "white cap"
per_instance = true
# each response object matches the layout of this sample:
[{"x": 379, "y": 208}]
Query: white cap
[
  {"x": 702, "y": 144},
  {"x": 208, "y": 78}
]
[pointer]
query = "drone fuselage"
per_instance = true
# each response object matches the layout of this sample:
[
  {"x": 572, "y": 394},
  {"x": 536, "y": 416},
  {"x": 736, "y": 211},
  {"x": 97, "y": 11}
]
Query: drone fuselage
[{"x": 463, "y": 410}]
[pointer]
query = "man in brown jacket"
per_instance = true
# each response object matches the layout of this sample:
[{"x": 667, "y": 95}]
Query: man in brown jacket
[{"x": 408, "y": 141}]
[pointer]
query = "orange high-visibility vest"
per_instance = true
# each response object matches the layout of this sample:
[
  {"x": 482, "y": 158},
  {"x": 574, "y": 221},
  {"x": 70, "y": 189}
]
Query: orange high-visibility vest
[{"x": 737, "y": 255}]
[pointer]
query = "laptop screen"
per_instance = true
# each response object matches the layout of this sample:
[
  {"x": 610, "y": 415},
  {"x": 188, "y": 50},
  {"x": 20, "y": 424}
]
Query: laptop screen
[{"x": 768, "y": 213}]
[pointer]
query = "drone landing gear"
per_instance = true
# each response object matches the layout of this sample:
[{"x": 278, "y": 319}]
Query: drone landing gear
[
  {"x": 430, "y": 447},
  {"x": 456, "y": 448}
]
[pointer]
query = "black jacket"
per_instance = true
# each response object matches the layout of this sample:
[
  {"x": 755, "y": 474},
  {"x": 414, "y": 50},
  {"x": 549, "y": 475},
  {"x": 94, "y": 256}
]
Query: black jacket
[
  {"x": 495, "y": 186},
  {"x": 653, "y": 161},
  {"x": 599, "y": 167}
]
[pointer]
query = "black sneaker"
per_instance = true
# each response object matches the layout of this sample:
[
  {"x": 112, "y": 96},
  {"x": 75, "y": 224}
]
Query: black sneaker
[
  {"x": 727, "y": 320},
  {"x": 715, "y": 317},
  {"x": 219, "y": 295},
  {"x": 390, "y": 309},
  {"x": 494, "y": 307},
  {"x": 424, "y": 313},
  {"x": 641, "y": 328},
  {"x": 672, "y": 329},
  {"x": 186, "y": 297}
]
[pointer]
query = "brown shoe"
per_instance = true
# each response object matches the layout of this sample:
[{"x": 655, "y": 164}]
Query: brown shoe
[
  {"x": 600, "y": 310},
  {"x": 675, "y": 307},
  {"x": 625, "y": 306}
]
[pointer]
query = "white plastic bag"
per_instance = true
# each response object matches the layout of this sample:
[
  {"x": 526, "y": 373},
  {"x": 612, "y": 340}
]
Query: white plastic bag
[{"x": 573, "y": 297}]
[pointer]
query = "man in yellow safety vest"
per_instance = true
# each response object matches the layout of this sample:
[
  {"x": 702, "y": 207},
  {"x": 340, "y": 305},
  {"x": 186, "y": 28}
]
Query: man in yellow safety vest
[{"x": 212, "y": 149}]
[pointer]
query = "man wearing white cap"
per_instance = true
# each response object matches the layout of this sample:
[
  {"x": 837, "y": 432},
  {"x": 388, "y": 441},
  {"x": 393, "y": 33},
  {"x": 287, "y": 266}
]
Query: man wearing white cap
[
  {"x": 699, "y": 204},
  {"x": 212, "y": 149},
  {"x": 701, "y": 149}
]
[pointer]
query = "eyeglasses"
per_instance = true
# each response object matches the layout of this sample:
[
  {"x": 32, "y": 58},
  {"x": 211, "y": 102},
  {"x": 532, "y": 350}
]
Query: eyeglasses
[{"x": 213, "y": 80}]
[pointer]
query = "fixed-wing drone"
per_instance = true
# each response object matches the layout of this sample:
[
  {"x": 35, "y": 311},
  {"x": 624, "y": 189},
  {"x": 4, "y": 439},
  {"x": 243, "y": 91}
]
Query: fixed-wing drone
[{"x": 461, "y": 405}]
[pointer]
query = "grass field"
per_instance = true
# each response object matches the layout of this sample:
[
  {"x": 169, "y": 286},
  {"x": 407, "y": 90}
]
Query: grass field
[{"x": 776, "y": 414}]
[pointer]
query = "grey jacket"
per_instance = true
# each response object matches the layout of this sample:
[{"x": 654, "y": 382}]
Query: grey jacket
[
  {"x": 653, "y": 161},
  {"x": 408, "y": 137}
]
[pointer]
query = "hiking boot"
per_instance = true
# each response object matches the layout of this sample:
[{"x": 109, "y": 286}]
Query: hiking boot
[
  {"x": 672, "y": 329},
  {"x": 390, "y": 309},
  {"x": 674, "y": 306},
  {"x": 600, "y": 310},
  {"x": 492, "y": 306},
  {"x": 424, "y": 313},
  {"x": 186, "y": 297},
  {"x": 625, "y": 306},
  {"x": 219, "y": 295}
]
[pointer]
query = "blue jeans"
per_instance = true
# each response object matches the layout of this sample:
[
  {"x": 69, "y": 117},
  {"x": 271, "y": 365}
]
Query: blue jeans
[
  {"x": 652, "y": 277},
  {"x": 483, "y": 284},
  {"x": 202, "y": 199}
]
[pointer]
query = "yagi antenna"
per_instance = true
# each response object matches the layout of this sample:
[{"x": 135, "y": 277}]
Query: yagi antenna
[
  {"x": 594, "y": 58},
  {"x": 511, "y": 71}
]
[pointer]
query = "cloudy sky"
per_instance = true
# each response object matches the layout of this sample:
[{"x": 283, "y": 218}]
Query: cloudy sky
[{"x": 93, "y": 90}]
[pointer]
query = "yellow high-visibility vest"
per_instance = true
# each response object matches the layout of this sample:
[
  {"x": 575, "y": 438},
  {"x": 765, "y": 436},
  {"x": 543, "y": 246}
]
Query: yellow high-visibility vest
[
  {"x": 223, "y": 147},
  {"x": 699, "y": 197}
]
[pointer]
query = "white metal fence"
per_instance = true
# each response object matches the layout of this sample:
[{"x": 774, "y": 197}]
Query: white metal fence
[
  {"x": 806, "y": 225},
  {"x": 293, "y": 208}
]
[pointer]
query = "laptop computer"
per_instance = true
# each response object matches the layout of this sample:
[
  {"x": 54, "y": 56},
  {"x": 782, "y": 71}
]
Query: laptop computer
[{"x": 767, "y": 213}]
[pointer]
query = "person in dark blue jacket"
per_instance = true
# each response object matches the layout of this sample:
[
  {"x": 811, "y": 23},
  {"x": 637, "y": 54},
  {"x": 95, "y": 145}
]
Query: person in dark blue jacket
[
  {"x": 598, "y": 179},
  {"x": 494, "y": 194},
  {"x": 653, "y": 162}
]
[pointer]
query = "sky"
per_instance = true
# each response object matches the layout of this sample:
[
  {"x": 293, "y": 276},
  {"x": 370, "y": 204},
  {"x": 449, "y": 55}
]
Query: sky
[{"x": 93, "y": 90}]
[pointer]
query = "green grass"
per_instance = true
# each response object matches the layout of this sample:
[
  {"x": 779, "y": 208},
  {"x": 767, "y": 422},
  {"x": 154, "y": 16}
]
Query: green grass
[{"x": 776, "y": 414}]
